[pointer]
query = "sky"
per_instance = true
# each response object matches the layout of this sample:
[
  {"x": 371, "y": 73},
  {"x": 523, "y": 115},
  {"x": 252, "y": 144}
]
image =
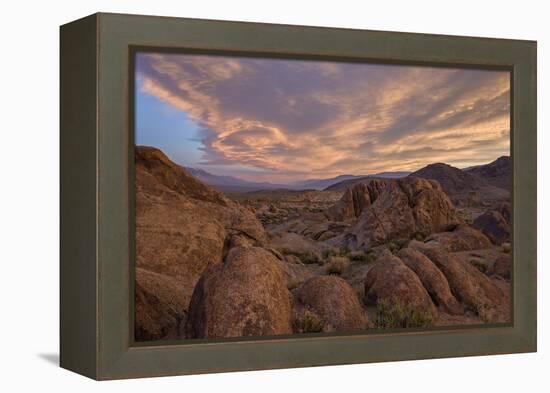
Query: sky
[{"x": 283, "y": 120}]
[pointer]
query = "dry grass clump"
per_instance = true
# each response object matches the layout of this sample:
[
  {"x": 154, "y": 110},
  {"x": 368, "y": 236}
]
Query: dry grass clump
[
  {"x": 305, "y": 257},
  {"x": 392, "y": 313},
  {"x": 336, "y": 265}
]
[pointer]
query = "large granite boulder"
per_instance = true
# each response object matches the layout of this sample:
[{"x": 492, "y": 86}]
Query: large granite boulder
[
  {"x": 432, "y": 278},
  {"x": 391, "y": 279},
  {"x": 244, "y": 296},
  {"x": 332, "y": 301}
]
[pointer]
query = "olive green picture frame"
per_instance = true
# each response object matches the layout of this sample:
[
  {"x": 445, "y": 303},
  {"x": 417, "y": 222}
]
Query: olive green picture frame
[{"x": 97, "y": 216}]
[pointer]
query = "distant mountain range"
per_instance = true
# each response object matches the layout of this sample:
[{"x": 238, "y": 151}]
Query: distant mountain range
[
  {"x": 234, "y": 184},
  {"x": 454, "y": 181},
  {"x": 230, "y": 183}
]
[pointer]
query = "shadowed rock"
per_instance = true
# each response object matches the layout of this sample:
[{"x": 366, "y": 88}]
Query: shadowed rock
[
  {"x": 502, "y": 266},
  {"x": 495, "y": 224},
  {"x": 463, "y": 238},
  {"x": 333, "y": 302},
  {"x": 244, "y": 296},
  {"x": 391, "y": 279},
  {"x": 160, "y": 306},
  {"x": 432, "y": 278}
]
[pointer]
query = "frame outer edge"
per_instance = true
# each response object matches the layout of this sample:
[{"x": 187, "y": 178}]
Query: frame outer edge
[
  {"x": 119, "y": 359},
  {"x": 78, "y": 197}
]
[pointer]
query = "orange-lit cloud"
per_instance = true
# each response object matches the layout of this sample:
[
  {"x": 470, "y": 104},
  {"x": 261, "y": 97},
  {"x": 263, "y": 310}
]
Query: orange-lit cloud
[{"x": 296, "y": 119}]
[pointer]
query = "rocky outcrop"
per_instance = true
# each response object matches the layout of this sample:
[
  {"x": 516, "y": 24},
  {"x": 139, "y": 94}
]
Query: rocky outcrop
[
  {"x": 405, "y": 208},
  {"x": 495, "y": 224},
  {"x": 462, "y": 238},
  {"x": 244, "y": 296},
  {"x": 333, "y": 303},
  {"x": 182, "y": 225},
  {"x": 469, "y": 285},
  {"x": 391, "y": 279},
  {"x": 432, "y": 278},
  {"x": 356, "y": 199}
]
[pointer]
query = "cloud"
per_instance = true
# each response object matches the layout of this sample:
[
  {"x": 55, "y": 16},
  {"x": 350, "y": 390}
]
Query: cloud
[{"x": 292, "y": 118}]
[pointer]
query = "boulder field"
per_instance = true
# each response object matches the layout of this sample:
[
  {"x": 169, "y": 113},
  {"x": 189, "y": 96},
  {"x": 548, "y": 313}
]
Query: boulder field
[{"x": 389, "y": 253}]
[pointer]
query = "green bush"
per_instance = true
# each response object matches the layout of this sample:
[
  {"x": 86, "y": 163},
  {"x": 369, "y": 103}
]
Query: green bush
[
  {"x": 362, "y": 257},
  {"x": 392, "y": 313}
]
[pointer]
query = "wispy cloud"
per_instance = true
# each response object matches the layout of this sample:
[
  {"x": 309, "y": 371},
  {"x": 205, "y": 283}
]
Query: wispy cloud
[{"x": 293, "y": 118}]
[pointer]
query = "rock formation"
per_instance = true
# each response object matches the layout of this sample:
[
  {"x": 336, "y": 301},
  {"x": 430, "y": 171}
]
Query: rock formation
[
  {"x": 391, "y": 279},
  {"x": 356, "y": 199},
  {"x": 246, "y": 295},
  {"x": 182, "y": 227},
  {"x": 432, "y": 278},
  {"x": 471, "y": 287},
  {"x": 405, "y": 208},
  {"x": 333, "y": 302}
]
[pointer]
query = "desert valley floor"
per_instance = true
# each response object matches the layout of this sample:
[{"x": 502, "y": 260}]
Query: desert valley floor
[{"x": 430, "y": 248}]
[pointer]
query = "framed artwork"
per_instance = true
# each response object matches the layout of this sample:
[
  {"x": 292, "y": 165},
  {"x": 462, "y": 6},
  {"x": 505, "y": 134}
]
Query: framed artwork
[{"x": 241, "y": 196}]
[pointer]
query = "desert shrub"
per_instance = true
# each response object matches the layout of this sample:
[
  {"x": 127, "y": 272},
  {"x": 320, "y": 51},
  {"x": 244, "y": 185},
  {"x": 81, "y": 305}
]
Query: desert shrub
[
  {"x": 486, "y": 312},
  {"x": 344, "y": 251},
  {"x": 307, "y": 322},
  {"x": 392, "y": 313},
  {"x": 336, "y": 265},
  {"x": 395, "y": 245},
  {"x": 337, "y": 252},
  {"x": 362, "y": 257},
  {"x": 419, "y": 236}
]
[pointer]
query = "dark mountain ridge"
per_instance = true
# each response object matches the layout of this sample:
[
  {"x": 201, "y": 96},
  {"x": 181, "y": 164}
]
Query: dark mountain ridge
[
  {"x": 497, "y": 173},
  {"x": 463, "y": 187}
]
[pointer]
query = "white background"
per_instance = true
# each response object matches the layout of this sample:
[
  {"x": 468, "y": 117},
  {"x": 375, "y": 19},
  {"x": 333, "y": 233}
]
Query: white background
[{"x": 29, "y": 196}]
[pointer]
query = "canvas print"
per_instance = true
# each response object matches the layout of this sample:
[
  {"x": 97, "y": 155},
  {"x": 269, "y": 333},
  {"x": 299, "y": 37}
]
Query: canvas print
[{"x": 278, "y": 197}]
